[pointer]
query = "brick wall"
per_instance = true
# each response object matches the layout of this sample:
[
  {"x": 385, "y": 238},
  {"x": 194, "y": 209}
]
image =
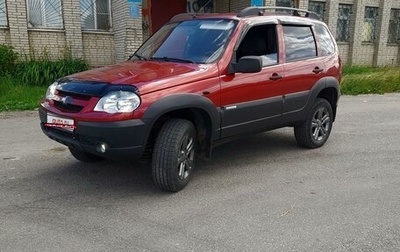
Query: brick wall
[
  {"x": 53, "y": 42},
  {"x": 127, "y": 30},
  {"x": 344, "y": 52},
  {"x": 5, "y": 36},
  {"x": 98, "y": 48},
  {"x": 127, "y": 35},
  {"x": 18, "y": 25},
  {"x": 72, "y": 27}
]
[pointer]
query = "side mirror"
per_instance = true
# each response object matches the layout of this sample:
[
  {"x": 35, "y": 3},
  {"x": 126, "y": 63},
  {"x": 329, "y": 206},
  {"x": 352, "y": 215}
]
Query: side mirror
[{"x": 249, "y": 64}]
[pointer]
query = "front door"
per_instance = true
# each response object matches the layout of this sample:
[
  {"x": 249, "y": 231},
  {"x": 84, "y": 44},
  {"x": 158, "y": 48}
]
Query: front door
[{"x": 253, "y": 101}]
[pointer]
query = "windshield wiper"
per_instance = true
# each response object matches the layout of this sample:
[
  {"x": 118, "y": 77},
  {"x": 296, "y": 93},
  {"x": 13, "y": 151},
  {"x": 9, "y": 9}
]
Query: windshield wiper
[
  {"x": 140, "y": 57},
  {"x": 168, "y": 59}
]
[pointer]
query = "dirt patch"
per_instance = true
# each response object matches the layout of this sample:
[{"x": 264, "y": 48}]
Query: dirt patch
[{"x": 17, "y": 114}]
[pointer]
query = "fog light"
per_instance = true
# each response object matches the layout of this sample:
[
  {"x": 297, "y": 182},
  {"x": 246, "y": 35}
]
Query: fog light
[{"x": 102, "y": 147}]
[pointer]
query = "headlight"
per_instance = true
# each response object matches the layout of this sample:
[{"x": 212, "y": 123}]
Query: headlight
[
  {"x": 117, "y": 102},
  {"x": 51, "y": 91}
]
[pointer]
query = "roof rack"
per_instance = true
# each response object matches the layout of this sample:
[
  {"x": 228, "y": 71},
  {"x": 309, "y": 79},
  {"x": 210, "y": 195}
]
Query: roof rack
[{"x": 259, "y": 11}]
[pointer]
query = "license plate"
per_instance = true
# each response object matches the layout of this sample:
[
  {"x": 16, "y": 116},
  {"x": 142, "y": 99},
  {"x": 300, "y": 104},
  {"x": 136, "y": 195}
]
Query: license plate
[{"x": 60, "y": 122}]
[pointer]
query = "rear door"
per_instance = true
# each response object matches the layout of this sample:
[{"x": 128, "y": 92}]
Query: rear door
[{"x": 302, "y": 67}]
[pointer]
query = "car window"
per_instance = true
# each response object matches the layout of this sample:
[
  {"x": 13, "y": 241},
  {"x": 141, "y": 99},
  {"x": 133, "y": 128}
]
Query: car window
[
  {"x": 325, "y": 40},
  {"x": 261, "y": 41},
  {"x": 299, "y": 42},
  {"x": 199, "y": 41}
]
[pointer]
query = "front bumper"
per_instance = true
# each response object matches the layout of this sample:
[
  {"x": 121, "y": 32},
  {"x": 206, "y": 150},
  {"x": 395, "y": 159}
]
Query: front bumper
[{"x": 124, "y": 139}]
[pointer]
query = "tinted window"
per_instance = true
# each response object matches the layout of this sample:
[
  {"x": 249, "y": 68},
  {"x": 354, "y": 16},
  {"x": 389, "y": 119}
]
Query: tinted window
[
  {"x": 260, "y": 41},
  {"x": 200, "y": 41},
  {"x": 299, "y": 42},
  {"x": 325, "y": 40}
]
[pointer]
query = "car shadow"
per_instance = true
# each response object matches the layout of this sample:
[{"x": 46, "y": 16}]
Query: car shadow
[{"x": 122, "y": 179}]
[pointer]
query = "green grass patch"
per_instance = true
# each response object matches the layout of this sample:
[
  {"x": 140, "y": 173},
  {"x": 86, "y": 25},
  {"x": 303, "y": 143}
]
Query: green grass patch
[
  {"x": 16, "y": 96},
  {"x": 370, "y": 80},
  {"x": 25, "y": 78}
]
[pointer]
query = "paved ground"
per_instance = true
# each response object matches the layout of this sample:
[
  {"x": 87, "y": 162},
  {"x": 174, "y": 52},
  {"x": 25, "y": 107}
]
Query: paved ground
[{"x": 262, "y": 193}]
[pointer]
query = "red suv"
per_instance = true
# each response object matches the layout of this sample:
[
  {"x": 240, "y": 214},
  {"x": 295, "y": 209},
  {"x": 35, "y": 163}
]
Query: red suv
[{"x": 200, "y": 80}]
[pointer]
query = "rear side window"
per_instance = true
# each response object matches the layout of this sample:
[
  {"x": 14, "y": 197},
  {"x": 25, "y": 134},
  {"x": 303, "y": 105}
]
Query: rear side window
[
  {"x": 325, "y": 40},
  {"x": 299, "y": 43}
]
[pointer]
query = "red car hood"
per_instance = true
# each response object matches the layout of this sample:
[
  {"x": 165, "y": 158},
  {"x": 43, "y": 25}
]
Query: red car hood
[{"x": 148, "y": 76}]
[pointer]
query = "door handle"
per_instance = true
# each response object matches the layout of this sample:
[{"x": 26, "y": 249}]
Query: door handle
[
  {"x": 317, "y": 70},
  {"x": 275, "y": 76}
]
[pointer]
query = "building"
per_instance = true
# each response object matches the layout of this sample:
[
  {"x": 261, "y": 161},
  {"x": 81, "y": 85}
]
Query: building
[{"x": 108, "y": 31}]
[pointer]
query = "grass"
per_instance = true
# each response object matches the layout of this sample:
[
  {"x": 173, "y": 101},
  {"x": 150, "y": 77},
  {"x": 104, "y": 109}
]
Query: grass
[
  {"x": 17, "y": 95},
  {"x": 370, "y": 80}
]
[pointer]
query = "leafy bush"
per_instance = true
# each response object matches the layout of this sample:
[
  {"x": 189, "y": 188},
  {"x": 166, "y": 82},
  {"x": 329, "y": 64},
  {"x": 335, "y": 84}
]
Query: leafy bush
[
  {"x": 7, "y": 60},
  {"x": 42, "y": 71}
]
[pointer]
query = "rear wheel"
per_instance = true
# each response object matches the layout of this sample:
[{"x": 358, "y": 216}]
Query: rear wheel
[
  {"x": 174, "y": 155},
  {"x": 315, "y": 130},
  {"x": 84, "y": 156}
]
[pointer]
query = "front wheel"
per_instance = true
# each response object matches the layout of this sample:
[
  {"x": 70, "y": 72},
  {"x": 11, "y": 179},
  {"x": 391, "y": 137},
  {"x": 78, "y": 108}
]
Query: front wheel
[
  {"x": 174, "y": 155},
  {"x": 315, "y": 130}
]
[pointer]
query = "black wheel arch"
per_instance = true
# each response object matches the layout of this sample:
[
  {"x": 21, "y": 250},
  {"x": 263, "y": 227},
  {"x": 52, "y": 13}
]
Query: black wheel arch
[
  {"x": 198, "y": 109},
  {"x": 327, "y": 88}
]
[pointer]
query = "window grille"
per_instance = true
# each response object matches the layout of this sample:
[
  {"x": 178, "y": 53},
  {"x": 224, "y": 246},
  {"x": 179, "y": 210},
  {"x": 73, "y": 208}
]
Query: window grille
[
  {"x": 394, "y": 26},
  {"x": 45, "y": 14},
  {"x": 95, "y": 15},
  {"x": 285, "y": 3},
  {"x": 317, "y": 7},
  {"x": 3, "y": 13},
  {"x": 343, "y": 23},
  {"x": 369, "y": 26}
]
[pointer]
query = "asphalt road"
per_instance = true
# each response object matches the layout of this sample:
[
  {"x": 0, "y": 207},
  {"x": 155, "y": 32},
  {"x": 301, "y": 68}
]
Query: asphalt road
[{"x": 262, "y": 193}]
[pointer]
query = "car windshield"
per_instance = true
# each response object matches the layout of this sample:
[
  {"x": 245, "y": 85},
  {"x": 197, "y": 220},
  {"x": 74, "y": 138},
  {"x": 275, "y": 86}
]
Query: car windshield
[{"x": 191, "y": 41}]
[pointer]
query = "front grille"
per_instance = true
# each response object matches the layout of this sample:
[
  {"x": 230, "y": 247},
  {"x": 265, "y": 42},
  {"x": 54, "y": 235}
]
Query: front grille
[
  {"x": 67, "y": 107},
  {"x": 70, "y": 102}
]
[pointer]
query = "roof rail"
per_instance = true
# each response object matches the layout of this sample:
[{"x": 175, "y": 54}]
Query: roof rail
[{"x": 259, "y": 11}]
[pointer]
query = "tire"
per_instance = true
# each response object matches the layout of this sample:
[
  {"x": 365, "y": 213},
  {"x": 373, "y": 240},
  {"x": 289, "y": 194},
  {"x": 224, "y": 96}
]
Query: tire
[
  {"x": 84, "y": 156},
  {"x": 315, "y": 130},
  {"x": 174, "y": 155}
]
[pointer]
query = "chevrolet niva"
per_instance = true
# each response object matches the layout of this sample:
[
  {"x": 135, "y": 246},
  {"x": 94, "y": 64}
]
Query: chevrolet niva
[{"x": 200, "y": 80}]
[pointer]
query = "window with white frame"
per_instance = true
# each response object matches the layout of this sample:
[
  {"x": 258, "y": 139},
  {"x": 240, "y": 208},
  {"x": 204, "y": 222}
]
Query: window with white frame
[
  {"x": 343, "y": 23},
  {"x": 45, "y": 14},
  {"x": 317, "y": 7},
  {"x": 394, "y": 26},
  {"x": 95, "y": 15},
  {"x": 3, "y": 13},
  {"x": 369, "y": 26}
]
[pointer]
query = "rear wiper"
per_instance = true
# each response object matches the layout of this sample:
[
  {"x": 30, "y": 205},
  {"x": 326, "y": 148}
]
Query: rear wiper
[
  {"x": 140, "y": 57},
  {"x": 173, "y": 59}
]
